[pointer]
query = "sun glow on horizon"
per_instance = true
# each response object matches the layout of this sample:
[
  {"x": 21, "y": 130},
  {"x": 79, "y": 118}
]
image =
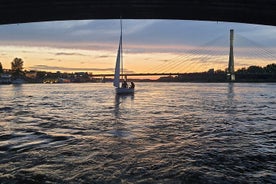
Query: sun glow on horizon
[{"x": 102, "y": 61}]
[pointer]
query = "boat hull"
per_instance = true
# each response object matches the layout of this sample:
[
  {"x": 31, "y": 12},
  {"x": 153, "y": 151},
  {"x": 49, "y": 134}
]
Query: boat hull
[{"x": 124, "y": 90}]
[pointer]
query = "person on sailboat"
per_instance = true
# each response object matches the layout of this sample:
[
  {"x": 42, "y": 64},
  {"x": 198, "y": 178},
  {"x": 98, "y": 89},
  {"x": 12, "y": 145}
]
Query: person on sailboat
[
  {"x": 132, "y": 85},
  {"x": 124, "y": 84}
]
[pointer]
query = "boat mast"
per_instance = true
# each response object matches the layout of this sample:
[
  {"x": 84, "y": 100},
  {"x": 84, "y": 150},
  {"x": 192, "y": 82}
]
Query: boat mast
[{"x": 121, "y": 43}]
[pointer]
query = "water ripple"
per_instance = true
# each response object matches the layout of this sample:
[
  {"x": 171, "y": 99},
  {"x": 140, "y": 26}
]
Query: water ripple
[{"x": 189, "y": 133}]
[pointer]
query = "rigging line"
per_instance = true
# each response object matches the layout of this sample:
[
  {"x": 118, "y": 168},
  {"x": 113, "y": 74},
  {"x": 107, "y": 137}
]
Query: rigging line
[
  {"x": 259, "y": 52},
  {"x": 177, "y": 60},
  {"x": 188, "y": 57},
  {"x": 215, "y": 55},
  {"x": 187, "y": 68},
  {"x": 193, "y": 66},
  {"x": 254, "y": 53},
  {"x": 162, "y": 65},
  {"x": 207, "y": 43},
  {"x": 196, "y": 69},
  {"x": 179, "y": 64},
  {"x": 208, "y": 55},
  {"x": 167, "y": 63},
  {"x": 205, "y": 60},
  {"x": 262, "y": 47},
  {"x": 165, "y": 67},
  {"x": 182, "y": 59},
  {"x": 251, "y": 42}
]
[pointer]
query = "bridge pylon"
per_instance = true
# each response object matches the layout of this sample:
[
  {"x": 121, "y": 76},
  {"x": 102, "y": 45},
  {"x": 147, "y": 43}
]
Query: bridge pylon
[{"x": 231, "y": 70}]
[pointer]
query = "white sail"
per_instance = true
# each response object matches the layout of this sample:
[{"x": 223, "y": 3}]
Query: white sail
[
  {"x": 116, "y": 81},
  {"x": 119, "y": 71}
]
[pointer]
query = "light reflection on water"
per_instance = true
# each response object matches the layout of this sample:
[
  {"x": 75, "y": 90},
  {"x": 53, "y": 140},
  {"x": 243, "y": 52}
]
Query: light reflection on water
[{"x": 164, "y": 133}]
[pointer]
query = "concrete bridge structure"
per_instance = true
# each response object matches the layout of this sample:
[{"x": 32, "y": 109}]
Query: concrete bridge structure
[{"x": 244, "y": 11}]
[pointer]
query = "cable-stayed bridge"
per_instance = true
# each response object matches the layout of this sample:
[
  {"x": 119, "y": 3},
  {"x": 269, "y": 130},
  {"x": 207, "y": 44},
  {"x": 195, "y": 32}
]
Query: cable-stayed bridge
[{"x": 218, "y": 54}]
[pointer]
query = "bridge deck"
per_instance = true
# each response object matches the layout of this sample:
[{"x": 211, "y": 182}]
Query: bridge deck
[{"x": 138, "y": 74}]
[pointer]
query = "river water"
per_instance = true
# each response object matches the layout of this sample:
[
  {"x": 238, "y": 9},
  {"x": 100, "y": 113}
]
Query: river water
[{"x": 164, "y": 133}]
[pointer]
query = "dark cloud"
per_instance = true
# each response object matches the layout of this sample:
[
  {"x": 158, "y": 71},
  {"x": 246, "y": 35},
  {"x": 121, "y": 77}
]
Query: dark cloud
[
  {"x": 58, "y": 68},
  {"x": 104, "y": 56},
  {"x": 68, "y": 54}
]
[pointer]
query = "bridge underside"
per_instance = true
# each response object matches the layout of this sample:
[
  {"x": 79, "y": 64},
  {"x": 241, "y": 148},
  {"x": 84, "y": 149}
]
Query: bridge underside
[{"x": 245, "y": 11}]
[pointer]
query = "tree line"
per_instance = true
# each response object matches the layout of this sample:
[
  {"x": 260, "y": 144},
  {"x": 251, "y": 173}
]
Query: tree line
[
  {"x": 16, "y": 68},
  {"x": 268, "y": 69},
  {"x": 249, "y": 74}
]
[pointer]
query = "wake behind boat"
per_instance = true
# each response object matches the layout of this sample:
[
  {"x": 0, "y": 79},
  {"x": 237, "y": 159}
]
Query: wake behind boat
[{"x": 124, "y": 89}]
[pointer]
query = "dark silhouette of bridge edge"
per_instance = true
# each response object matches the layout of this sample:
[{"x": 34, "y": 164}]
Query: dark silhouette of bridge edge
[{"x": 244, "y": 11}]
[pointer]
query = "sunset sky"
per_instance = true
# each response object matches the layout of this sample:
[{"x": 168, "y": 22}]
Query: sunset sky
[{"x": 149, "y": 45}]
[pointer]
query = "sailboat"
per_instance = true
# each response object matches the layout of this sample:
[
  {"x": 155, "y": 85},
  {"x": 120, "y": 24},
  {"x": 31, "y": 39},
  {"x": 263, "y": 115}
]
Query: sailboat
[{"x": 119, "y": 70}]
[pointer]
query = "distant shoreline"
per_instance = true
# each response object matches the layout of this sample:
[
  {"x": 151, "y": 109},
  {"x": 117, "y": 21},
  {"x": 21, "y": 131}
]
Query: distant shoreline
[{"x": 151, "y": 81}]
